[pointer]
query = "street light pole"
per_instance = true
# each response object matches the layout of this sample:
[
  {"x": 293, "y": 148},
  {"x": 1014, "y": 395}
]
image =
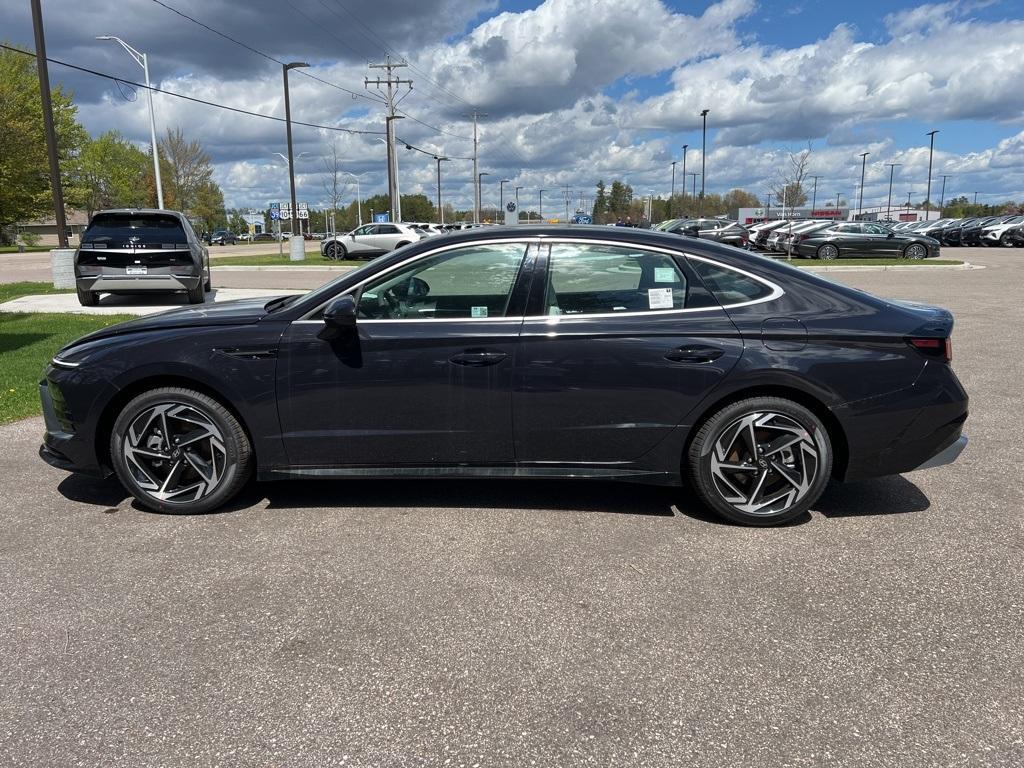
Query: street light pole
[
  {"x": 517, "y": 197},
  {"x": 440, "y": 210},
  {"x": 703, "y": 157},
  {"x": 695, "y": 175},
  {"x": 684, "y": 177},
  {"x": 288, "y": 130},
  {"x": 143, "y": 61},
  {"x": 928, "y": 194},
  {"x": 359, "y": 203},
  {"x": 814, "y": 195},
  {"x": 672, "y": 193},
  {"x": 888, "y": 201},
  {"x": 942, "y": 195},
  {"x": 863, "y": 167},
  {"x": 540, "y": 204},
  {"x": 501, "y": 193}
]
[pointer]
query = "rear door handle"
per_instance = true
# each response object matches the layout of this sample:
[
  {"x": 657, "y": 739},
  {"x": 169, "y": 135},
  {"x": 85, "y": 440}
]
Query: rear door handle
[
  {"x": 477, "y": 358},
  {"x": 694, "y": 354}
]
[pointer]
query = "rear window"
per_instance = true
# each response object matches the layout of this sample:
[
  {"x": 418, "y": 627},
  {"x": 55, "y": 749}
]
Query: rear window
[{"x": 127, "y": 230}]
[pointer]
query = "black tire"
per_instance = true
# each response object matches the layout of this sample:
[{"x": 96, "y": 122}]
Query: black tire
[
  {"x": 208, "y": 282},
  {"x": 230, "y": 476},
  {"x": 87, "y": 298},
  {"x": 335, "y": 251},
  {"x": 1004, "y": 240},
  {"x": 196, "y": 295},
  {"x": 827, "y": 252},
  {"x": 810, "y": 465}
]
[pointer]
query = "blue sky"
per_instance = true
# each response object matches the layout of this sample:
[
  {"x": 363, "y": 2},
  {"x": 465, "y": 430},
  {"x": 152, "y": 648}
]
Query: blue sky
[{"x": 575, "y": 90}]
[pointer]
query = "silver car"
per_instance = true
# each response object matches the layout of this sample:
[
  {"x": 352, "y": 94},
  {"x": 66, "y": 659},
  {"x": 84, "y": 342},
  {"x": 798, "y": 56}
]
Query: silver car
[
  {"x": 369, "y": 241},
  {"x": 133, "y": 250}
]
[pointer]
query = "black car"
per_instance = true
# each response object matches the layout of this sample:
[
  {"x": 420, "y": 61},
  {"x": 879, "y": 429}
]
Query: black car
[
  {"x": 866, "y": 240},
  {"x": 970, "y": 232},
  {"x": 718, "y": 230},
  {"x": 221, "y": 237},
  {"x": 265, "y": 237},
  {"x": 140, "y": 251},
  {"x": 534, "y": 351},
  {"x": 1015, "y": 236}
]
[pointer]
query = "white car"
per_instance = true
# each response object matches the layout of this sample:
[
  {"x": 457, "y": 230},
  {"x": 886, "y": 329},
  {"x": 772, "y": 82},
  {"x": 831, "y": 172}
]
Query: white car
[
  {"x": 998, "y": 233},
  {"x": 369, "y": 241}
]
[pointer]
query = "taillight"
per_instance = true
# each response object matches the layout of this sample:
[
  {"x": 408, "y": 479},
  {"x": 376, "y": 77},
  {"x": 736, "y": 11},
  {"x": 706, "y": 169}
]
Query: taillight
[{"x": 940, "y": 348}]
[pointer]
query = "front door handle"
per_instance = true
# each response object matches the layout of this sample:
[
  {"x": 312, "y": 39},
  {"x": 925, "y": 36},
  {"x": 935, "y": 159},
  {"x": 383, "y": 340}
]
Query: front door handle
[
  {"x": 477, "y": 358},
  {"x": 698, "y": 353}
]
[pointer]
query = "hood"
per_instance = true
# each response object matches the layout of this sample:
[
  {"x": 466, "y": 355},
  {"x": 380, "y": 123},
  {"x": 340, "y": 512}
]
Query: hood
[{"x": 239, "y": 312}]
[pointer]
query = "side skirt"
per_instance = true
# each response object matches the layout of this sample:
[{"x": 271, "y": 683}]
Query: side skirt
[{"x": 647, "y": 477}]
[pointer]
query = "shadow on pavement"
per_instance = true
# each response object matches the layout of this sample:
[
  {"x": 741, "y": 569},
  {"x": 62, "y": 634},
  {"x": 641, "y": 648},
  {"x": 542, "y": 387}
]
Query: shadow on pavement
[{"x": 884, "y": 496}]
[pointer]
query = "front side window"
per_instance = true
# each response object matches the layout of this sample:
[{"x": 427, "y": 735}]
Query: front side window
[
  {"x": 366, "y": 229},
  {"x": 465, "y": 283},
  {"x": 600, "y": 279}
]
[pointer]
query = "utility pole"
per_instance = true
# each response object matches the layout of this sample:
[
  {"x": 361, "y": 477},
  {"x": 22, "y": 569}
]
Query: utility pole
[
  {"x": 567, "y": 195},
  {"x": 540, "y": 202},
  {"x": 928, "y": 194},
  {"x": 476, "y": 115},
  {"x": 51, "y": 135},
  {"x": 391, "y": 83},
  {"x": 768, "y": 208},
  {"x": 703, "y": 157},
  {"x": 814, "y": 195},
  {"x": 888, "y": 201},
  {"x": 695, "y": 175},
  {"x": 288, "y": 130},
  {"x": 942, "y": 195}
]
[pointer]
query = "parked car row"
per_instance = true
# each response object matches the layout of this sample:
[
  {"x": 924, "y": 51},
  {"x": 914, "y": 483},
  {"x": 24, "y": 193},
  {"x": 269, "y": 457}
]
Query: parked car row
[{"x": 1006, "y": 231}]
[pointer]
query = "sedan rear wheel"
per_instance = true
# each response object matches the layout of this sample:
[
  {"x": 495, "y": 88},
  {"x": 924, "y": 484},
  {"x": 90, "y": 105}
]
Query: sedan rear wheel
[
  {"x": 177, "y": 450},
  {"x": 828, "y": 252},
  {"x": 762, "y": 461},
  {"x": 915, "y": 251},
  {"x": 335, "y": 251}
]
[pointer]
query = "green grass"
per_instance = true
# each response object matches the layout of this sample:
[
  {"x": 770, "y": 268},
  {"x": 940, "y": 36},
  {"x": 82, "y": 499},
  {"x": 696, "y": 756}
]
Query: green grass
[
  {"x": 28, "y": 248},
  {"x": 873, "y": 262},
  {"x": 10, "y": 291},
  {"x": 273, "y": 260},
  {"x": 27, "y": 342}
]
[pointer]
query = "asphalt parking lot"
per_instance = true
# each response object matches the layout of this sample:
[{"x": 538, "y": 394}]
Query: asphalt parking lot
[{"x": 550, "y": 624}]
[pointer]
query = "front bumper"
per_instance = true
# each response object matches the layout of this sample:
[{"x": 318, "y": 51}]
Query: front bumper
[
  {"x": 63, "y": 446},
  {"x": 138, "y": 283}
]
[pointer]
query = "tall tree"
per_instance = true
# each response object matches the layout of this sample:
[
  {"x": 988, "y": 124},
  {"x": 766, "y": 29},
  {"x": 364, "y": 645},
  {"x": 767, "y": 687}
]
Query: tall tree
[
  {"x": 620, "y": 197},
  {"x": 113, "y": 174},
  {"x": 24, "y": 169},
  {"x": 600, "y": 204},
  {"x": 739, "y": 198},
  {"x": 788, "y": 188},
  {"x": 207, "y": 209},
  {"x": 332, "y": 179},
  {"x": 186, "y": 169}
]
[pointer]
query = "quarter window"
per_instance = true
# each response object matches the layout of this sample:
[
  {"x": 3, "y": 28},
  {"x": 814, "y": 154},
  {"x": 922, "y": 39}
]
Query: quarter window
[
  {"x": 596, "y": 279},
  {"x": 729, "y": 286},
  {"x": 473, "y": 282}
]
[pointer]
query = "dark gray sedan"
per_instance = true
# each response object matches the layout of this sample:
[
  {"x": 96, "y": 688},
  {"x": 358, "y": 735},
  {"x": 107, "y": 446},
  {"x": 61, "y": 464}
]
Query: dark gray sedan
[{"x": 846, "y": 239}]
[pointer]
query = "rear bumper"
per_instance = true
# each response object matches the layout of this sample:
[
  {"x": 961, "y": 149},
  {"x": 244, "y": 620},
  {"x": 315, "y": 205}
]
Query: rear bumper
[
  {"x": 947, "y": 455},
  {"x": 139, "y": 283}
]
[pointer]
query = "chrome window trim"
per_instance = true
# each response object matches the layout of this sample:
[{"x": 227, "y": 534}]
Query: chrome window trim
[{"x": 776, "y": 293}]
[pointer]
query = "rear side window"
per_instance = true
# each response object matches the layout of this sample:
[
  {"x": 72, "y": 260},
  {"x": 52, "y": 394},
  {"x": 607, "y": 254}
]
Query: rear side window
[
  {"x": 729, "y": 286},
  {"x": 127, "y": 230},
  {"x": 600, "y": 279}
]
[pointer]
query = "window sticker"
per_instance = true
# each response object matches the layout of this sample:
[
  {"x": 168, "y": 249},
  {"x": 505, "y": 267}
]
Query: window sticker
[
  {"x": 659, "y": 298},
  {"x": 479, "y": 312},
  {"x": 665, "y": 275}
]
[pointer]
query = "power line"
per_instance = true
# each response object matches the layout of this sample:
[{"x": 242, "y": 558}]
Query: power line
[
  {"x": 258, "y": 52},
  {"x": 155, "y": 89}
]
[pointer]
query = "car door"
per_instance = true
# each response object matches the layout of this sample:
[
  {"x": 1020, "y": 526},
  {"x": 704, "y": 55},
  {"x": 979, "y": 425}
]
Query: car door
[
  {"x": 425, "y": 376},
  {"x": 619, "y": 344},
  {"x": 386, "y": 238},
  {"x": 876, "y": 241},
  {"x": 360, "y": 242}
]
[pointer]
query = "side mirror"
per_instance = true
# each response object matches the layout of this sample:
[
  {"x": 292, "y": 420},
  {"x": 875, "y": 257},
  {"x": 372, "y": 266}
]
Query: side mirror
[
  {"x": 891, "y": 234},
  {"x": 339, "y": 316}
]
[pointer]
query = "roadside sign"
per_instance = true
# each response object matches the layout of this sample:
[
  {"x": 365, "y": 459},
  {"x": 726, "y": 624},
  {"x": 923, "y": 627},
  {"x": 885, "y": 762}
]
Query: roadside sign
[
  {"x": 582, "y": 218},
  {"x": 275, "y": 211},
  {"x": 303, "y": 210},
  {"x": 381, "y": 216},
  {"x": 511, "y": 213}
]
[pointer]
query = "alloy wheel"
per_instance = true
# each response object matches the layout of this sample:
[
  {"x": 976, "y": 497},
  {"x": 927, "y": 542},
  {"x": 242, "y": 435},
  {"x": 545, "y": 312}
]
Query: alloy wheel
[
  {"x": 828, "y": 252},
  {"x": 916, "y": 251},
  {"x": 175, "y": 452},
  {"x": 764, "y": 463}
]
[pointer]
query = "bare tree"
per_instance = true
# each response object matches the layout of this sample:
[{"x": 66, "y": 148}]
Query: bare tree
[
  {"x": 186, "y": 169},
  {"x": 332, "y": 181},
  {"x": 788, "y": 189}
]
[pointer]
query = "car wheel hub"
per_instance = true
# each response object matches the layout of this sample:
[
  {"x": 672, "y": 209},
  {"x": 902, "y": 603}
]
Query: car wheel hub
[
  {"x": 764, "y": 463},
  {"x": 175, "y": 452}
]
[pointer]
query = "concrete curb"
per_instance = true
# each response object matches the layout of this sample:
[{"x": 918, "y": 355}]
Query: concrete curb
[{"x": 888, "y": 268}]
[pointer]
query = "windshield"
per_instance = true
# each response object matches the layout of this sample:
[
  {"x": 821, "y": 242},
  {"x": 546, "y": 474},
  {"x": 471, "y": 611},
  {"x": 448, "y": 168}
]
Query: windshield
[{"x": 133, "y": 230}]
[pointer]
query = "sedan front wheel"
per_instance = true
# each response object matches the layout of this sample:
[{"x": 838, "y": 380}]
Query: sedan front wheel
[
  {"x": 915, "y": 251},
  {"x": 761, "y": 461},
  {"x": 177, "y": 450}
]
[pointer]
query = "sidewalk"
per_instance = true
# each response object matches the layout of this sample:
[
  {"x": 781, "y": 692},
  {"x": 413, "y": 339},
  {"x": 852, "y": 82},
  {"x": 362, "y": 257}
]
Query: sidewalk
[{"x": 131, "y": 305}]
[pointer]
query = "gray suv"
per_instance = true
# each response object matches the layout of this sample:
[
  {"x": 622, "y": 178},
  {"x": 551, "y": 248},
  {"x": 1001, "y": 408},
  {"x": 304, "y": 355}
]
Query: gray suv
[{"x": 140, "y": 251}]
